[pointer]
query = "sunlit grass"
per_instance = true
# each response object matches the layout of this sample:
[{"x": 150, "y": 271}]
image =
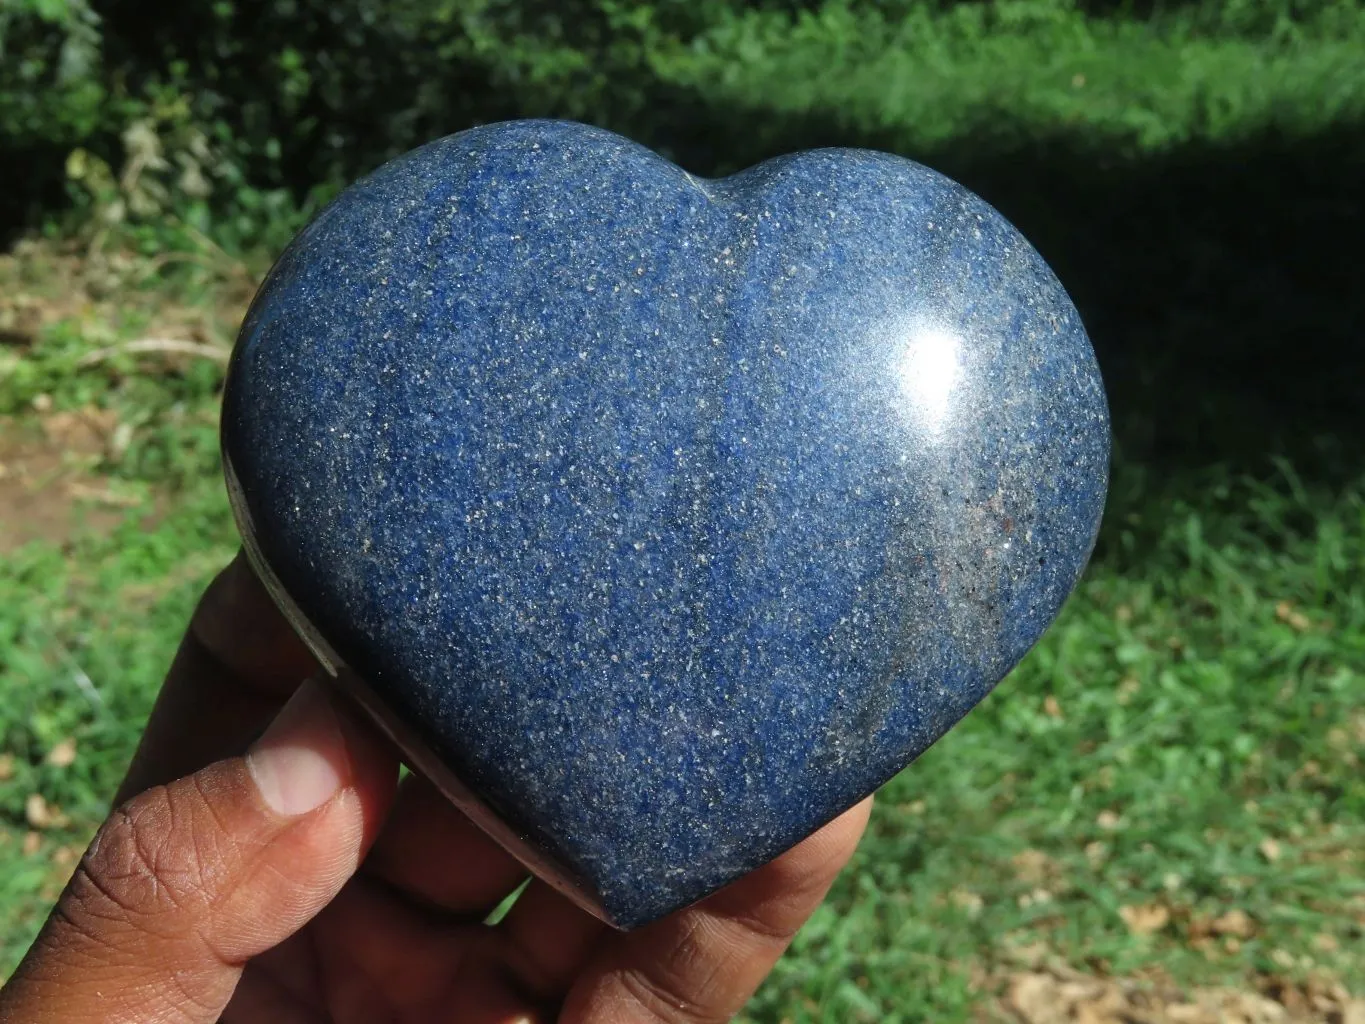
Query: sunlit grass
[{"x": 1184, "y": 744}]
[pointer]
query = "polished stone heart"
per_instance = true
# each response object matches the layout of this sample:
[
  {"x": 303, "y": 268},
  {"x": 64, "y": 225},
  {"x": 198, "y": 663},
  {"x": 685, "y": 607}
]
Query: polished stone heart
[{"x": 663, "y": 518}]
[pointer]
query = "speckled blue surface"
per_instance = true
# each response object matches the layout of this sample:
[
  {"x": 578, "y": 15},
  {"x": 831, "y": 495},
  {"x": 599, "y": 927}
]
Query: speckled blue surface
[{"x": 675, "y": 515}]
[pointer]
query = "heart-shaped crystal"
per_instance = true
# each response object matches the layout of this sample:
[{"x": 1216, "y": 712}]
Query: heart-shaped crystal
[{"x": 663, "y": 518}]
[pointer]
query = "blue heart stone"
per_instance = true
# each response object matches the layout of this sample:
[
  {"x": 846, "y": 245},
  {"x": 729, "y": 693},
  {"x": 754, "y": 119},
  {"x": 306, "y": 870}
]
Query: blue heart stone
[{"x": 663, "y": 518}]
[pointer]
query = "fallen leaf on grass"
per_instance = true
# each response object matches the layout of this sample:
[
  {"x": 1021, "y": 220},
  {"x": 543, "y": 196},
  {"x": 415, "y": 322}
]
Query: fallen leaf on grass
[
  {"x": 1037, "y": 897},
  {"x": 1033, "y": 998},
  {"x": 1307, "y": 770},
  {"x": 1270, "y": 850},
  {"x": 78, "y": 491},
  {"x": 1145, "y": 918},
  {"x": 1292, "y": 617},
  {"x": 42, "y": 815},
  {"x": 36, "y": 812},
  {"x": 1025, "y": 954},
  {"x": 1236, "y": 923},
  {"x": 1051, "y": 707},
  {"x": 1109, "y": 820},
  {"x": 968, "y": 901},
  {"x": 1033, "y": 866},
  {"x": 32, "y": 842},
  {"x": 63, "y": 755},
  {"x": 1233, "y": 925},
  {"x": 6, "y": 767}
]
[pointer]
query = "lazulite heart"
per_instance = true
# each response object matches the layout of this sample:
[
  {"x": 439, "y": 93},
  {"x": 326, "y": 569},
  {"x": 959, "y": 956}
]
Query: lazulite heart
[{"x": 663, "y": 518}]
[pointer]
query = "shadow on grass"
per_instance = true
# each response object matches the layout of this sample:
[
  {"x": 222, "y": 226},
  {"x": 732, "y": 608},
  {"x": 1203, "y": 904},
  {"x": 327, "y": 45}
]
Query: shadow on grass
[{"x": 1223, "y": 287}]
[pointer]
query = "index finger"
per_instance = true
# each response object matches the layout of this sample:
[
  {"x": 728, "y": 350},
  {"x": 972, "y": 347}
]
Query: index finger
[{"x": 237, "y": 665}]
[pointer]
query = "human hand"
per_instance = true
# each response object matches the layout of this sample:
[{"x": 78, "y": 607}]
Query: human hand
[{"x": 300, "y": 883}]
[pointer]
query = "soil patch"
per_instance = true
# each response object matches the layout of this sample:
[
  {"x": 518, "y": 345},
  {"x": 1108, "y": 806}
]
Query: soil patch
[{"x": 50, "y": 484}]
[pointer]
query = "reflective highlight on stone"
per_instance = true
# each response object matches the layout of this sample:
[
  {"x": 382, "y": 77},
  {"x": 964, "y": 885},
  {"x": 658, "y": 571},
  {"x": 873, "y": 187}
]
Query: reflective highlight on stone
[{"x": 672, "y": 516}]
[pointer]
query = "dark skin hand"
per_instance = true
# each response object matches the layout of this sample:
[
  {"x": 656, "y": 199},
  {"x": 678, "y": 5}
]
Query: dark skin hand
[{"x": 300, "y": 883}]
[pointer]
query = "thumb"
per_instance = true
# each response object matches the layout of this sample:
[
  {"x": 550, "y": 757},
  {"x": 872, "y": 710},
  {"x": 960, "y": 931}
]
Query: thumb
[{"x": 186, "y": 882}]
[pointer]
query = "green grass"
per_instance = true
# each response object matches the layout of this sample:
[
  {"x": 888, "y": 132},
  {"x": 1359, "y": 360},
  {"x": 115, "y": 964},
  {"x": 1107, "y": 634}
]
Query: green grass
[
  {"x": 1187, "y": 739},
  {"x": 1017, "y": 70},
  {"x": 1199, "y": 696},
  {"x": 85, "y": 636},
  {"x": 87, "y": 627}
]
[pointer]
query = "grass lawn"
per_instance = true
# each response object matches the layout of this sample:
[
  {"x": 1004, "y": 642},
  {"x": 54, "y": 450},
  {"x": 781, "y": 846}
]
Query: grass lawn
[
  {"x": 1170, "y": 781},
  {"x": 1164, "y": 806}
]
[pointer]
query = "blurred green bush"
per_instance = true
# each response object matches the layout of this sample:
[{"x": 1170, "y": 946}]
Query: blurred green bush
[{"x": 238, "y": 115}]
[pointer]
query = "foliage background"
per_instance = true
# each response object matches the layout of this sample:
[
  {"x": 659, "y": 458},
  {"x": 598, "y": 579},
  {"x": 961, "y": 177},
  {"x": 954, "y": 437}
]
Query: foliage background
[{"x": 1183, "y": 748}]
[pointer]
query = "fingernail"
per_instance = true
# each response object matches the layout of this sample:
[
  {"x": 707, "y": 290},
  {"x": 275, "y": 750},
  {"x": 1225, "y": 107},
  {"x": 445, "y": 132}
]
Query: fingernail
[{"x": 300, "y": 761}]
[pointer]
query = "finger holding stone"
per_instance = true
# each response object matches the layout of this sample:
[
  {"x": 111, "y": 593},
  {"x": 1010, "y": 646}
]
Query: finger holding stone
[
  {"x": 238, "y": 663},
  {"x": 188, "y": 881},
  {"x": 549, "y": 940},
  {"x": 702, "y": 964},
  {"x": 432, "y": 853}
]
